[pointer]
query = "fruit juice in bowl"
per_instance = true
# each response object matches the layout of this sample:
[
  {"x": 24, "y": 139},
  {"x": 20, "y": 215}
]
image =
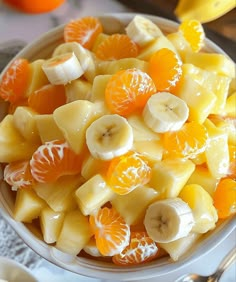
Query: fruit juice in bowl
[{"x": 109, "y": 165}]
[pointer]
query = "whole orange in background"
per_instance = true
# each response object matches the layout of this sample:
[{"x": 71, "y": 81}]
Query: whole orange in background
[{"x": 35, "y": 6}]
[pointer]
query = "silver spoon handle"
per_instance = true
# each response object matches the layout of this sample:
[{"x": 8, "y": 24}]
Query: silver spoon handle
[{"x": 225, "y": 264}]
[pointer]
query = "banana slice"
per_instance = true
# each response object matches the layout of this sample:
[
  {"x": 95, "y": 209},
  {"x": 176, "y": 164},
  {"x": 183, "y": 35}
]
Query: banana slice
[
  {"x": 142, "y": 30},
  {"x": 109, "y": 136},
  {"x": 165, "y": 112},
  {"x": 62, "y": 69},
  {"x": 168, "y": 220},
  {"x": 83, "y": 55}
]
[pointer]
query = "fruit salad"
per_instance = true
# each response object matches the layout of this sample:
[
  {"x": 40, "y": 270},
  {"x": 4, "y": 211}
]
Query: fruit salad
[{"x": 121, "y": 147}]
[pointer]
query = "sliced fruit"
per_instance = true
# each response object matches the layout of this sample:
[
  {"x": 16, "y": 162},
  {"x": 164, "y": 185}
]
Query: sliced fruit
[
  {"x": 127, "y": 172},
  {"x": 165, "y": 112},
  {"x": 201, "y": 203},
  {"x": 99, "y": 87},
  {"x": 170, "y": 175},
  {"x": 93, "y": 194},
  {"x": 112, "y": 234},
  {"x": 230, "y": 106},
  {"x": 62, "y": 69},
  {"x": 53, "y": 160},
  {"x": 168, "y": 220},
  {"x": 141, "y": 249},
  {"x": 91, "y": 248},
  {"x": 152, "y": 150},
  {"x": 75, "y": 233},
  {"x": 78, "y": 89},
  {"x": 109, "y": 136},
  {"x": 128, "y": 91}
]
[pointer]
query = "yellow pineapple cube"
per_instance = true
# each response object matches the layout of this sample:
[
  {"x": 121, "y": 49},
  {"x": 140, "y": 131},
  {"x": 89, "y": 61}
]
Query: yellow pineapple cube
[
  {"x": 157, "y": 44},
  {"x": 99, "y": 86},
  {"x": 100, "y": 38},
  {"x": 24, "y": 121},
  {"x": 112, "y": 67},
  {"x": 28, "y": 205},
  {"x": 132, "y": 206},
  {"x": 201, "y": 203},
  {"x": 75, "y": 233},
  {"x": 92, "y": 166},
  {"x": 73, "y": 119},
  {"x": 93, "y": 194},
  {"x": 78, "y": 89},
  {"x": 170, "y": 175},
  {"x": 217, "y": 151},
  {"x": 218, "y": 63},
  {"x": 51, "y": 224},
  {"x": 13, "y": 146},
  {"x": 204, "y": 178},
  {"x": 152, "y": 149},
  {"x": 59, "y": 195},
  {"x": 47, "y": 128},
  {"x": 179, "y": 42},
  {"x": 230, "y": 106},
  {"x": 37, "y": 77}
]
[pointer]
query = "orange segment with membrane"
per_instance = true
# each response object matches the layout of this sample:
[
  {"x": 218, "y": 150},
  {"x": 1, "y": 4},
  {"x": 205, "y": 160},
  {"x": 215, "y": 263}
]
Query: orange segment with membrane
[
  {"x": 127, "y": 172},
  {"x": 15, "y": 81},
  {"x": 193, "y": 32},
  {"x": 117, "y": 46},
  {"x": 53, "y": 160},
  {"x": 128, "y": 91},
  {"x": 18, "y": 175},
  {"x": 83, "y": 31},
  {"x": 225, "y": 198},
  {"x": 112, "y": 234},
  {"x": 141, "y": 249},
  {"x": 187, "y": 142},
  {"x": 165, "y": 69},
  {"x": 46, "y": 99}
]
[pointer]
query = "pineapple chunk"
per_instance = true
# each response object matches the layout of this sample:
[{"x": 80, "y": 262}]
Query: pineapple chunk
[
  {"x": 51, "y": 224},
  {"x": 73, "y": 119},
  {"x": 201, "y": 203},
  {"x": 92, "y": 249},
  {"x": 132, "y": 206},
  {"x": 47, "y": 128},
  {"x": 152, "y": 150},
  {"x": 78, "y": 89},
  {"x": 180, "y": 247},
  {"x": 203, "y": 177},
  {"x": 99, "y": 86},
  {"x": 112, "y": 67},
  {"x": 217, "y": 63},
  {"x": 24, "y": 121},
  {"x": 217, "y": 151},
  {"x": 59, "y": 195},
  {"x": 28, "y": 205},
  {"x": 230, "y": 106},
  {"x": 13, "y": 147},
  {"x": 157, "y": 44},
  {"x": 93, "y": 194},
  {"x": 170, "y": 175},
  {"x": 75, "y": 233},
  {"x": 100, "y": 38},
  {"x": 38, "y": 77},
  {"x": 92, "y": 166},
  {"x": 180, "y": 43}
]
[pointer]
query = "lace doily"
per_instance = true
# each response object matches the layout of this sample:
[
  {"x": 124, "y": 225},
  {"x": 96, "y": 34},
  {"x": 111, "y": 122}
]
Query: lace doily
[{"x": 12, "y": 246}]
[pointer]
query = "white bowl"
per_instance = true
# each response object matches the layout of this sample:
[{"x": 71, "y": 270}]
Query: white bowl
[
  {"x": 42, "y": 48},
  {"x": 14, "y": 272}
]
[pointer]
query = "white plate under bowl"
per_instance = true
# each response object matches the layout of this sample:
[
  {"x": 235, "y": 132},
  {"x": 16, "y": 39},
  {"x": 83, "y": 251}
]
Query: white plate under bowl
[{"x": 42, "y": 48}]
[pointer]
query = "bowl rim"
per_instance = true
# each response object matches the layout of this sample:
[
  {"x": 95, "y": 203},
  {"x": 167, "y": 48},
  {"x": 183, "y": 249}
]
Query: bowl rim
[{"x": 85, "y": 267}]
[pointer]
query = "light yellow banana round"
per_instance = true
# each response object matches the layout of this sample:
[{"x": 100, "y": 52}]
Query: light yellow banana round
[{"x": 202, "y": 10}]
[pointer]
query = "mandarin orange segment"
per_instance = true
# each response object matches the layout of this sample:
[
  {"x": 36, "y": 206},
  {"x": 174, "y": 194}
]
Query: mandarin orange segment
[
  {"x": 193, "y": 32},
  {"x": 83, "y": 31},
  {"x": 18, "y": 175},
  {"x": 53, "y": 160},
  {"x": 127, "y": 172},
  {"x": 188, "y": 142},
  {"x": 46, "y": 99},
  {"x": 225, "y": 198},
  {"x": 112, "y": 234},
  {"x": 117, "y": 46},
  {"x": 165, "y": 69},
  {"x": 141, "y": 249},
  {"x": 128, "y": 91},
  {"x": 15, "y": 80}
]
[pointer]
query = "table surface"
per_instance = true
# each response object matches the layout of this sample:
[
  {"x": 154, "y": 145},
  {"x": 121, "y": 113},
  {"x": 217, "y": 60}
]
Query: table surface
[{"x": 15, "y": 25}]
